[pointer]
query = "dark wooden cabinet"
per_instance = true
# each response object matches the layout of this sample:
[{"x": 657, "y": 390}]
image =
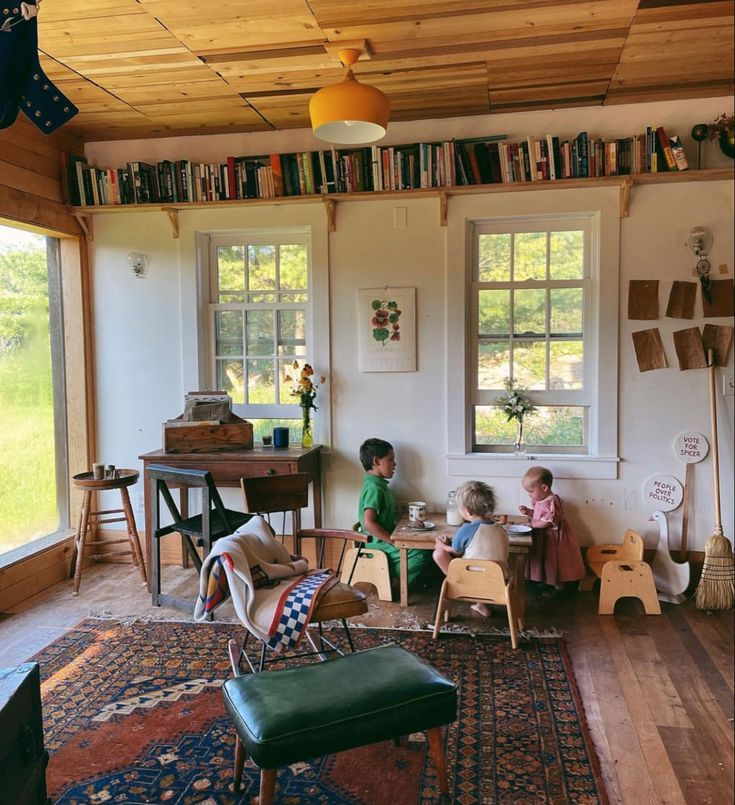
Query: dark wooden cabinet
[{"x": 23, "y": 759}]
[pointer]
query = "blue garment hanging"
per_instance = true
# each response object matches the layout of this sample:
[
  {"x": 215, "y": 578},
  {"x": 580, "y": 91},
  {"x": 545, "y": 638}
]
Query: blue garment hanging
[{"x": 23, "y": 84}]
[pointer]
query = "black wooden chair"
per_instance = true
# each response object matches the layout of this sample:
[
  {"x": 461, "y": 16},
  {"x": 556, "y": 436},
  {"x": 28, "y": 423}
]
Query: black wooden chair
[{"x": 199, "y": 530}]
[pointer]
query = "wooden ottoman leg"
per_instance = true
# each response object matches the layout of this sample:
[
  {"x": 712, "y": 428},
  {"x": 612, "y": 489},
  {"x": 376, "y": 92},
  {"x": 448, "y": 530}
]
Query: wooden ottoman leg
[
  {"x": 239, "y": 763},
  {"x": 267, "y": 786},
  {"x": 436, "y": 749}
]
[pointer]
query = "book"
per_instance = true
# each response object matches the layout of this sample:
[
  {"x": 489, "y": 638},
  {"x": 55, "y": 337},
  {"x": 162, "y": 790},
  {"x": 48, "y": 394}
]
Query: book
[
  {"x": 668, "y": 154},
  {"x": 677, "y": 149}
]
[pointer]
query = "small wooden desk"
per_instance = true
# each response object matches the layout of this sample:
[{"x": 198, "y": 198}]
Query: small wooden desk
[
  {"x": 227, "y": 467},
  {"x": 520, "y": 545}
]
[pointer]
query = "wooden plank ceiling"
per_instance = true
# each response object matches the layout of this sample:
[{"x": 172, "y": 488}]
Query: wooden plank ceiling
[{"x": 153, "y": 68}]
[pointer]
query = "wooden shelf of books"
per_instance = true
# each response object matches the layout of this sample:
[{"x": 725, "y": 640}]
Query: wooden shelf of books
[{"x": 439, "y": 170}]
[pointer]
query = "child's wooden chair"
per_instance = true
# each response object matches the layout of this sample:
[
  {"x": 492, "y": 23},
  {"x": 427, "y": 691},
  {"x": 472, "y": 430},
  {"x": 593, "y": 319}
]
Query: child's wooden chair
[
  {"x": 370, "y": 567},
  {"x": 623, "y": 573},
  {"x": 631, "y": 550},
  {"x": 481, "y": 580}
]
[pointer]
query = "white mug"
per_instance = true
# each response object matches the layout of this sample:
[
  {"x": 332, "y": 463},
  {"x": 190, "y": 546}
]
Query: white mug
[{"x": 416, "y": 513}]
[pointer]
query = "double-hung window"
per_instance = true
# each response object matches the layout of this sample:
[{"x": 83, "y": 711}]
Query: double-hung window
[
  {"x": 532, "y": 322},
  {"x": 259, "y": 321}
]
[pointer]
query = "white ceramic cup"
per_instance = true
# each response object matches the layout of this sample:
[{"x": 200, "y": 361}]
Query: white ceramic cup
[{"x": 416, "y": 513}]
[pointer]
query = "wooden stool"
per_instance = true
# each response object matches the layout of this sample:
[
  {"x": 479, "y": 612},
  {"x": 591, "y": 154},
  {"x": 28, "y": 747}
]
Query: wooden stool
[{"x": 89, "y": 519}]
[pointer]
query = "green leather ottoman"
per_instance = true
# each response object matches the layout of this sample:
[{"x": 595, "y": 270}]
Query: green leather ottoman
[{"x": 314, "y": 710}]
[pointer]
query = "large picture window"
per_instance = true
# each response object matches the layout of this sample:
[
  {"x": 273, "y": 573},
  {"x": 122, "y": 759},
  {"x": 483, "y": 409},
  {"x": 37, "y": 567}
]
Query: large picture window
[
  {"x": 259, "y": 315},
  {"x": 531, "y": 322},
  {"x": 33, "y": 440}
]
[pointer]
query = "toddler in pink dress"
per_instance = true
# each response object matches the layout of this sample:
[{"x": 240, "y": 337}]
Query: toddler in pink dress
[{"x": 555, "y": 557}]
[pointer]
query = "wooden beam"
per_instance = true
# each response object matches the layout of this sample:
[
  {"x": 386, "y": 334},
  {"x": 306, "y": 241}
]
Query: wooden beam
[
  {"x": 625, "y": 186},
  {"x": 26, "y": 208},
  {"x": 86, "y": 224}
]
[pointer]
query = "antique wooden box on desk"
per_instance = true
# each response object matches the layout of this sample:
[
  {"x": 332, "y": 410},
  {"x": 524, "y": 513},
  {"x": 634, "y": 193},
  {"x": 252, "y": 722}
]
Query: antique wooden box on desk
[{"x": 23, "y": 758}]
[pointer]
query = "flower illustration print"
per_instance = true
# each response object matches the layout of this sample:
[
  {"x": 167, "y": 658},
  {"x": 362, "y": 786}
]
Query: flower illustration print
[{"x": 385, "y": 320}]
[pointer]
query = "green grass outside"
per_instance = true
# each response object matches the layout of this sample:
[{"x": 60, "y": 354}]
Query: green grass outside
[{"x": 27, "y": 454}]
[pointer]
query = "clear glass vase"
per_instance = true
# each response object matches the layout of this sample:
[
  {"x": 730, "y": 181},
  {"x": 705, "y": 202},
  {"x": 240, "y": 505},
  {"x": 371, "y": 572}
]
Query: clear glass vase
[
  {"x": 307, "y": 423},
  {"x": 519, "y": 448}
]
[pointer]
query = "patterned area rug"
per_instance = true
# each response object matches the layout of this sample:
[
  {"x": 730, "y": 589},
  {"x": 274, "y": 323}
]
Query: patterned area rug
[{"x": 133, "y": 713}]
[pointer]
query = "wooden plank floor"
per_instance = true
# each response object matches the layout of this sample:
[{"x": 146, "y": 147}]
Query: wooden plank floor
[{"x": 658, "y": 691}]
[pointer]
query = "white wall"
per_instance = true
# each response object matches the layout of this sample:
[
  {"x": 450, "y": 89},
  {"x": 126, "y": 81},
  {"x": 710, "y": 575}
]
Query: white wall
[{"x": 146, "y": 340}]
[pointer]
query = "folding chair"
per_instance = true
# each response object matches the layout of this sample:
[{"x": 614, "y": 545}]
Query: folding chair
[{"x": 201, "y": 530}]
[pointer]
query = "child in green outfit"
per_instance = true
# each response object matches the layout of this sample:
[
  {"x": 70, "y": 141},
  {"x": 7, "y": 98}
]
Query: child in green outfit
[{"x": 377, "y": 509}]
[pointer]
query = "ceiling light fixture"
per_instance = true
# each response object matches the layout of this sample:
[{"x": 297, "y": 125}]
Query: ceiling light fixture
[{"x": 349, "y": 112}]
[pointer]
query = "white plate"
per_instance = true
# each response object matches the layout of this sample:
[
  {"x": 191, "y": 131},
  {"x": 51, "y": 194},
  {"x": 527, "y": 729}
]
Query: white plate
[
  {"x": 428, "y": 526},
  {"x": 518, "y": 529}
]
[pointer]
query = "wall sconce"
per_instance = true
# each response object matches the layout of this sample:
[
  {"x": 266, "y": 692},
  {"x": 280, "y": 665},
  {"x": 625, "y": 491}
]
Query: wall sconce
[
  {"x": 138, "y": 263},
  {"x": 700, "y": 242}
]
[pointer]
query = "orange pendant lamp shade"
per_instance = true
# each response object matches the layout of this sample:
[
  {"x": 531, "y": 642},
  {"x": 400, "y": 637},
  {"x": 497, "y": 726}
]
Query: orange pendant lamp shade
[{"x": 349, "y": 112}]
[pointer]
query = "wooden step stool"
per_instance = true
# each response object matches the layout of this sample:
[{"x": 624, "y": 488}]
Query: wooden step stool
[{"x": 89, "y": 520}]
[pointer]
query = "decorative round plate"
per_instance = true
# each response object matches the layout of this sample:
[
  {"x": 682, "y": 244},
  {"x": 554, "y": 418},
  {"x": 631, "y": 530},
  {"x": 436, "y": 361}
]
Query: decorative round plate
[
  {"x": 518, "y": 529},
  {"x": 428, "y": 526}
]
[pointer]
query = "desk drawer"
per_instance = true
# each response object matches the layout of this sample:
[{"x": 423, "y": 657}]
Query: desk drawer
[{"x": 225, "y": 474}]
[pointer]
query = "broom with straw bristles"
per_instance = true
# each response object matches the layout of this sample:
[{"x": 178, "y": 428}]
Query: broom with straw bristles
[{"x": 716, "y": 588}]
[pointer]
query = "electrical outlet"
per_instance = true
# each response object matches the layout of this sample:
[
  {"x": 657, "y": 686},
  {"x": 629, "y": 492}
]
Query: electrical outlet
[
  {"x": 728, "y": 385},
  {"x": 139, "y": 503}
]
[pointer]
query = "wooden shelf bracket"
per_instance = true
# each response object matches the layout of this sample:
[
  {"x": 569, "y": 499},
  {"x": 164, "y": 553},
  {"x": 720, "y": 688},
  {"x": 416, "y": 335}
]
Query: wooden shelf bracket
[
  {"x": 173, "y": 219},
  {"x": 331, "y": 208},
  {"x": 625, "y": 188},
  {"x": 86, "y": 223},
  {"x": 442, "y": 209}
]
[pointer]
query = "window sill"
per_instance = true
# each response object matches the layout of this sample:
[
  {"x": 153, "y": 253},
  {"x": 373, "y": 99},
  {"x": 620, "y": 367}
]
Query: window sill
[
  {"x": 36, "y": 546},
  {"x": 506, "y": 465}
]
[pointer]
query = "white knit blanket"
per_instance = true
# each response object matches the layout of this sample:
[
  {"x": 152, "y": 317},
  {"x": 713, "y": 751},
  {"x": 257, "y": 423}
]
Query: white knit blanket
[{"x": 253, "y": 559}]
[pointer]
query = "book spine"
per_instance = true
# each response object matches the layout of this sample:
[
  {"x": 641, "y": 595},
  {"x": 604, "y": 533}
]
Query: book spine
[
  {"x": 665, "y": 146},
  {"x": 677, "y": 149}
]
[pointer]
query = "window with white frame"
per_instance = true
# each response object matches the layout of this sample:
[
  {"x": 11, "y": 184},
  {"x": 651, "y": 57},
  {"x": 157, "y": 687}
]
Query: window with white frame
[
  {"x": 532, "y": 321},
  {"x": 259, "y": 321}
]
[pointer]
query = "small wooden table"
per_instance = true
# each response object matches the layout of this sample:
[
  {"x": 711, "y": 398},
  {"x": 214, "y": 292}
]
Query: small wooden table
[
  {"x": 520, "y": 545},
  {"x": 228, "y": 466}
]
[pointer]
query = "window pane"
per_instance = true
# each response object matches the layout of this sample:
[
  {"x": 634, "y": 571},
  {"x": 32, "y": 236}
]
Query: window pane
[
  {"x": 265, "y": 427},
  {"x": 261, "y": 268},
  {"x": 292, "y": 332},
  {"x": 230, "y": 268},
  {"x": 293, "y": 298},
  {"x": 28, "y": 488},
  {"x": 228, "y": 332},
  {"x": 229, "y": 378},
  {"x": 530, "y": 256},
  {"x": 493, "y": 312},
  {"x": 562, "y": 426},
  {"x": 261, "y": 382},
  {"x": 285, "y": 368},
  {"x": 260, "y": 298},
  {"x": 293, "y": 273},
  {"x": 550, "y": 426},
  {"x": 566, "y": 365},
  {"x": 226, "y": 298},
  {"x": 529, "y": 364},
  {"x": 566, "y": 311},
  {"x": 492, "y": 426},
  {"x": 493, "y": 364},
  {"x": 566, "y": 255},
  {"x": 529, "y": 312},
  {"x": 260, "y": 332},
  {"x": 494, "y": 258}
]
